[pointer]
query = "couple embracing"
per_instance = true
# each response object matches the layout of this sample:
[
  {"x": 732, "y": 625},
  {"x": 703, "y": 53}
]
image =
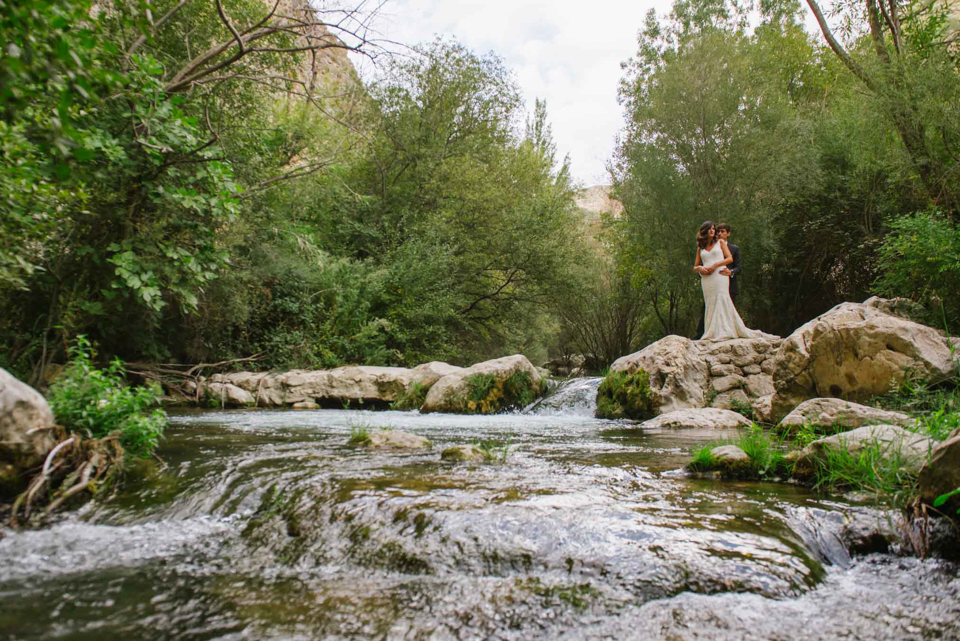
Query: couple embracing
[{"x": 720, "y": 318}]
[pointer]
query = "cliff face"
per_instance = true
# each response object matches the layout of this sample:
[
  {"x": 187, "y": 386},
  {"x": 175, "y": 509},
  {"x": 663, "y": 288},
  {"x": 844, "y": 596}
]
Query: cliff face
[
  {"x": 324, "y": 69},
  {"x": 597, "y": 200}
]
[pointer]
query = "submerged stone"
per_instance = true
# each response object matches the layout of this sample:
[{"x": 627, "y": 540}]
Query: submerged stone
[{"x": 465, "y": 454}]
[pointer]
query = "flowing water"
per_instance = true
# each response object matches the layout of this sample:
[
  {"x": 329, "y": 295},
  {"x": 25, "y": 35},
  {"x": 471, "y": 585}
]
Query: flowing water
[{"x": 267, "y": 525}]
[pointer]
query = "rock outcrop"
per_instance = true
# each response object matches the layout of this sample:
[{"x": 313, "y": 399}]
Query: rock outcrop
[
  {"x": 354, "y": 384},
  {"x": 685, "y": 374},
  {"x": 828, "y": 412},
  {"x": 487, "y": 387},
  {"x": 26, "y": 429},
  {"x": 855, "y": 351}
]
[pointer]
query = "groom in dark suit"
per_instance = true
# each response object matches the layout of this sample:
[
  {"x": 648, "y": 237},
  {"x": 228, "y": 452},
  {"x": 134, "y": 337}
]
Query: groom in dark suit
[{"x": 732, "y": 270}]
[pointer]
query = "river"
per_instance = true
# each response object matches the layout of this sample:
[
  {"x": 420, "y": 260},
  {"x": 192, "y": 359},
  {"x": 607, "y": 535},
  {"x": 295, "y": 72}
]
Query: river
[{"x": 265, "y": 524}]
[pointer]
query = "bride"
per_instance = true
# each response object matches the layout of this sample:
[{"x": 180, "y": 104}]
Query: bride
[{"x": 721, "y": 320}]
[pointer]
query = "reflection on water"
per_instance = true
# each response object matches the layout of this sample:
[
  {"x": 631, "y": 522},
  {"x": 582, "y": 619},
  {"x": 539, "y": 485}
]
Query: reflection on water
[{"x": 265, "y": 524}]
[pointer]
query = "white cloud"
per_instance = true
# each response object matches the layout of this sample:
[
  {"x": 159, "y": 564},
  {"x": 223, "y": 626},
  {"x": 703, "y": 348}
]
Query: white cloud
[{"x": 565, "y": 52}]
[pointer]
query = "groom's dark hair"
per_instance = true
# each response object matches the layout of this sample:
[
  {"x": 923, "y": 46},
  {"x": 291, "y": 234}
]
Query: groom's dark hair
[{"x": 724, "y": 226}]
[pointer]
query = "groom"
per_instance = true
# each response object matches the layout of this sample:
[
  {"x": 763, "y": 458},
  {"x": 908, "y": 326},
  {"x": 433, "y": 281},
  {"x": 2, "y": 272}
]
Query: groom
[{"x": 733, "y": 270}]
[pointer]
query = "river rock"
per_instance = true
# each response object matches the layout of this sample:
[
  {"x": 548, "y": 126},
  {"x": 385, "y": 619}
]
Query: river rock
[
  {"x": 731, "y": 461},
  {"x": 856, "y": 351},
  {"x": 912, "y": 448},
  {"x": 705, "y": 418},
  {"x": 827, "y": 412},
  {"x": 678, "y": 373},
  {"x": 394, "y": 440},
  {"x": 429, "y": 373},
  {"x": 464, "y": 454},
  {"x": 452, "y": 393},
  {"x": 228, "y": 395},
  {"x": 941, "y": 474},
  {"x": 26, "y": 425},
  {"x": 686, "y": 374}
]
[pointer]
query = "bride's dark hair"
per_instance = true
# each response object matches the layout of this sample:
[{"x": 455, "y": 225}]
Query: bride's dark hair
[{"x": 703, "y": 236}]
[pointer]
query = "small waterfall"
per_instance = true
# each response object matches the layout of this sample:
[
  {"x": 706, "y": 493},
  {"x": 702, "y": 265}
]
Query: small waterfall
[{"x": 577, "y": 397}]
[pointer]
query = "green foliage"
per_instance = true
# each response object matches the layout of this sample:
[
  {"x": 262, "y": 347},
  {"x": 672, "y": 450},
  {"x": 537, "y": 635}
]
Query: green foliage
[
  {"x": 921, "y": 261},
  {"x": 494, "y": 451},
  {"x": 943, "y": 498},
  {"x": 519, "y": 390},
  {"x": 412, "y": 397},
  {"x": 623, "y": 395},
  {"x": 488, "y": 394},
  {"x": 937, "y": 406},
  {"x": 97, "y": 402},
  {"x": 875, "y": 468},
  {"x": 744, "y": 408},
  {"x": 359, "y": 435},
  {"x": 703, "y": 460},
  {"x": 765, "y": 452}
]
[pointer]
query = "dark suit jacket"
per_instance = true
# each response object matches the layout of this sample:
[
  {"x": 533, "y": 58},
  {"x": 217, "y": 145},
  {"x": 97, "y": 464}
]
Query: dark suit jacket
[{"x": 734, "y": 268}]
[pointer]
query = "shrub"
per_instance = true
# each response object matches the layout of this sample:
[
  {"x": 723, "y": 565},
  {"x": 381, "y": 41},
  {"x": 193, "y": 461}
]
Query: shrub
[
  {"x": 623, "y": 395},
  {"x": 919, "y": 261},
  {"x": 98, "y": 402}
]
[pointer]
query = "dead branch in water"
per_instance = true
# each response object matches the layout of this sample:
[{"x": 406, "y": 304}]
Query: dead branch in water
[
  {"x": 74, "y": 465},
  {"x": 176, "y": 377}
]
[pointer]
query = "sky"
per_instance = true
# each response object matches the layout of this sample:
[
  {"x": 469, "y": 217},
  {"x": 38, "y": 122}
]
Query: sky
[{"x": 565, "y": 52}]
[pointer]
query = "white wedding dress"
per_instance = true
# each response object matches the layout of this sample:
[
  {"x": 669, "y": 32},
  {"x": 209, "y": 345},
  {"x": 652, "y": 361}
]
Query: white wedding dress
[{"x": 722, "y": 322}]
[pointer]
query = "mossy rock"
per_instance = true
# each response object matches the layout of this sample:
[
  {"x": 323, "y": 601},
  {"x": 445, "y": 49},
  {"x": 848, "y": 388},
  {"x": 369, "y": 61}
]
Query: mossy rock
[
  {"x": 486, "y": 388},
  {"x": 623, "y": 395}
]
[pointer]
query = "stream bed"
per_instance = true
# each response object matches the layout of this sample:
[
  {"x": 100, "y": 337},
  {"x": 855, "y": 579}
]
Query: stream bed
[{"x": 265, "y": 524}]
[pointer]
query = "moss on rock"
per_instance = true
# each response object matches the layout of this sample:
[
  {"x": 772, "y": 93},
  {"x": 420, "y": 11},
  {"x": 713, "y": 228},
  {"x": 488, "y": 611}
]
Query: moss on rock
[{"x": 624, "y": 395}]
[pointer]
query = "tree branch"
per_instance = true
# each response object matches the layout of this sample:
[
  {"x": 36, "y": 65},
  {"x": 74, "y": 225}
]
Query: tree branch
[
  {"x": 159, "y": 23},
  {"x": 837, "y": 47}
]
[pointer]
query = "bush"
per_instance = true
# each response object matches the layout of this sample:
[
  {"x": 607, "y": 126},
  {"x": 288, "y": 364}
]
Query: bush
[
  {"x": 623, "y": 395},
  {"x": 919, "y": 259},
  {"x": 98, "y": 402}
]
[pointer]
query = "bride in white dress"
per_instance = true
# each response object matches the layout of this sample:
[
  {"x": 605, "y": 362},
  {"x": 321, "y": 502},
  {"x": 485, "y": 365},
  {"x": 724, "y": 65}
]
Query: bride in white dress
[{"x": 721, "y": 321}]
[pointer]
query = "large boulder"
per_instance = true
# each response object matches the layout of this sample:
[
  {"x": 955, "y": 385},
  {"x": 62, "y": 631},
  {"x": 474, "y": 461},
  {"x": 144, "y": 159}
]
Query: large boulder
[
  {"x": 678, "y": 375},
  {"x": 829, "y": 412},
  {"x": 856, "y": 351},
  {"x": 941, "y": 474},
  {"x": 686, "y": 374},
  {"x": 910, "y": 448},
  {"x": 704, "y": 418},
  {"x": 429, "y": 373},
  {"x": 26, "y": 428},
  {"x": 486, "y": 388}
]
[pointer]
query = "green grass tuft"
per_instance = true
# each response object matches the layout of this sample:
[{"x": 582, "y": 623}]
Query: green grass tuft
[
  {"x": 412, "y": 398},
  {"x": 703, "y": 460}
]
